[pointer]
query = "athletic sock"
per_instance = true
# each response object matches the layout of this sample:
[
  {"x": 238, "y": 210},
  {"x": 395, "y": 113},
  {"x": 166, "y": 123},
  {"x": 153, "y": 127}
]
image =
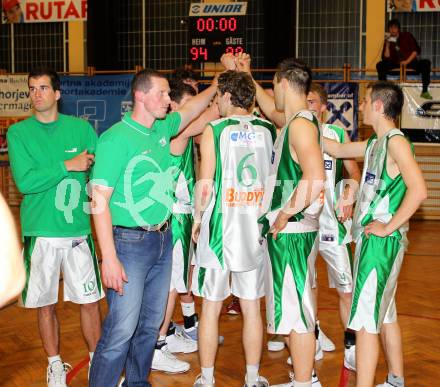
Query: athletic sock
[
  {"x": 171, "y": 329},
  {"x": 252, "y": 372},
  {"x": 302, "y": 384},
  {"x": 396, "y": 381},
  {"x": 349, "y": 339},
  {"x": 208, "y": 374},
  {"x": 190, "y": 322},
  {"x": 52, "y": 359},
  {"x": 160, "y": 342},
  {"x": 188, "y": 308}
]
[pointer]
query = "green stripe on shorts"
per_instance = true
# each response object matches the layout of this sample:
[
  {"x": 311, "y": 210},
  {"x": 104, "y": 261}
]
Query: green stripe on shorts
[
  {"x": 28, "y": 248},
  {"x": 293, "y": 250}
]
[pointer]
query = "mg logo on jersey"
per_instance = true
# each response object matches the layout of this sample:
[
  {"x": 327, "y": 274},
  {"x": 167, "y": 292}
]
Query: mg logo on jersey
[
  {"x": 369, "y": 178},
  {"x": 236, "y": 198},
  {"x": 328, "y": 164},
  {"x": 242, "y": 136}
]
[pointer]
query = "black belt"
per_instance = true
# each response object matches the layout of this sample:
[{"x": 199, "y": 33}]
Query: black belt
[{"x": 155, "y": 227}]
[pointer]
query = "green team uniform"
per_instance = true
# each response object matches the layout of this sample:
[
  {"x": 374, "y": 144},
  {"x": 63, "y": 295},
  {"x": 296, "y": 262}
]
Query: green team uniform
[
  {"x": 291, "y": 265},
  {"x": 229, "y": 244},
  {"x": 377, "y": 260},
  {"x": 54, "y": 209},
  {"x": 182, "y": 218},
  {"x": 335, "y": 236}
]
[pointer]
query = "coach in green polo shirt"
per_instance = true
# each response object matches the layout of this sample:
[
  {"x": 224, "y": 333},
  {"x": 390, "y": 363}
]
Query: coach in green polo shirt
[{"x": 132, "y": 201}]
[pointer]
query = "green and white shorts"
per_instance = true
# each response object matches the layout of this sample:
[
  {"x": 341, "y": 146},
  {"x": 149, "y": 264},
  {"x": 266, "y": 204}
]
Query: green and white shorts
[
  {"x": 181, "y": 226},
  {"x": 339, "y": 261},
  {"x": 377, "y": 267},
  {"x": 44, "y": 258},
  {"x": 217, "y": 284},
  {"x": 290, "y": 304}
]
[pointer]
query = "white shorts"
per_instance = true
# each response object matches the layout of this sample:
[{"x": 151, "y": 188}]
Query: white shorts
[
  {"x": 217, "y": 285},
  {"x": 180, "y": 274},
  {"x": 339, "y": 265},
  {"x": 44, "y": 259}
]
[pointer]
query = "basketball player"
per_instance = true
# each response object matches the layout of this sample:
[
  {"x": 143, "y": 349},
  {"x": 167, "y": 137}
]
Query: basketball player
[
  {"x": 335, "y": 219},
  {"x": 392, "y": 188},
  {"x": 236, "y": 154},
  {"x": 291, "y": 222}
]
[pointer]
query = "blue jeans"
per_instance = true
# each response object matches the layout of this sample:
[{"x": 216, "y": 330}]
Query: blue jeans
[{"x": 131, "y": 328}]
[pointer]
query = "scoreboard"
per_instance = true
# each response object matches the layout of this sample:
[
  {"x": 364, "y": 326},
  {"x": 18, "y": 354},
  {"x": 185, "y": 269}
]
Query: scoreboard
[{"x": 215, "y": 28}]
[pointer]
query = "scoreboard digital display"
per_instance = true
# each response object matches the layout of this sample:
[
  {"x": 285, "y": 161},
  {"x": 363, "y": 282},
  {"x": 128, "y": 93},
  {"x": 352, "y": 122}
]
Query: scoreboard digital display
[{"x": 216, "y": 29}]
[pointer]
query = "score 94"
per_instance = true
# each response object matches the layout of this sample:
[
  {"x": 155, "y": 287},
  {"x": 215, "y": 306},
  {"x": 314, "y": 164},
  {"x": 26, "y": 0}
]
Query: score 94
[{"x": 199, "y": 53}]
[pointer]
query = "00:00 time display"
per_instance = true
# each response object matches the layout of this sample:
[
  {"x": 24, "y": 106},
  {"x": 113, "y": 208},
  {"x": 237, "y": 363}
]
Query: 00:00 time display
[{"x": 210, "y": 24}]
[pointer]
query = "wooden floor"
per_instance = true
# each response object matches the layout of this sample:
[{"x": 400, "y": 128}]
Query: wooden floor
[{"x": 23, "y": 362}]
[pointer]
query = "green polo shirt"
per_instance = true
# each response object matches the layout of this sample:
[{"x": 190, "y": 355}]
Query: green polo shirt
[{"x": 135, "y": 161}]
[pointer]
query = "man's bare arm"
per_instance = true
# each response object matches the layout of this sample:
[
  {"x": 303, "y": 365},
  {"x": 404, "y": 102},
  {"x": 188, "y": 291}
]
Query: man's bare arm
[
  {"x": 344, "y": 151},
  {"x": 303, "y": 138},
  {"x": 351, "y": 187},
  {"x": 180, "y": 142},
  {"x": 203, "y": 190},
  {"x": 265, "y": 101},
  {"x": 196, "y": 105},
  {"x": 400, "y": 151}
]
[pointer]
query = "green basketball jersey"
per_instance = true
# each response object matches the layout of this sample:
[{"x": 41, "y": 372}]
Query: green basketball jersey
[
  {"x": 184, "y": 179},
  {"x": 380, "y": 195},
  {"x": 330, "y": 229},
  {"x": 229, "y": 235},
  {"x": 285, "y": 176}
]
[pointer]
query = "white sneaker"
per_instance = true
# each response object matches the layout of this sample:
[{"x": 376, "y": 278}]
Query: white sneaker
[
  {"x": 261, "y": 382},
  {"x": 386, "y": 384},
  {"x": 164, "y": 360},
  {"x": 276, "y": 343},
  {"x": 350, "y": 358},
  {"x": 56, "y": 374},
  {"x": 326, "y": 344},
  {"x": 315, "y": 381},
  {"x": 180, "y": 343},
  {"x": 200, "y": 382},
  {"x": 318, "y": 353}
]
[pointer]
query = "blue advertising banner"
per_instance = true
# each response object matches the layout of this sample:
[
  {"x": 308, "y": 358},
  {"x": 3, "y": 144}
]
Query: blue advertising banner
[
  {"x": 342, "y": 106},
  {"x": 101, "y": 99}
]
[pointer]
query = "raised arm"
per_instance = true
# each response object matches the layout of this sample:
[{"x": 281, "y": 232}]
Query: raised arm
[
  {"x": 203, "y": 190},
  {"x": 400, "y": 151},
  {"x": 180, "y": 142},
  {"x": 265, "y": 101},
  {"x": 196, "y": 105}
]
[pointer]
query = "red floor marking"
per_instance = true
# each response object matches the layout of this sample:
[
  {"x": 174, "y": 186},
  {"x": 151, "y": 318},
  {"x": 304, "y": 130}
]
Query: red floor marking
[
  {"x": 75, "y": 370},
  {"x": 343, "y": 378}
]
